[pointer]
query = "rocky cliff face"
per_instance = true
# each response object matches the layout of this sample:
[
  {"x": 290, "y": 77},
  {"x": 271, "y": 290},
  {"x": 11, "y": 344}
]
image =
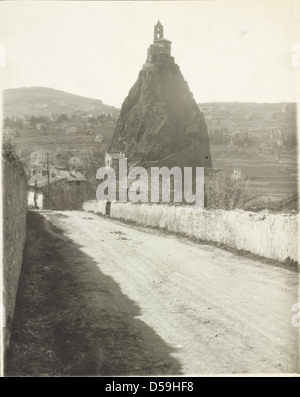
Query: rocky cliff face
[{"x": 160, "y": 119}]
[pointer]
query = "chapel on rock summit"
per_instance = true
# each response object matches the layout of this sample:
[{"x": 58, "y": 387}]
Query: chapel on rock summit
[{"x": 160, "y": 50}]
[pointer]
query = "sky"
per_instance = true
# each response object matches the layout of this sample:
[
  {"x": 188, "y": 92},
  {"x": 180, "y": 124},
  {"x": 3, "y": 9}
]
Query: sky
[{"x": 227, "y": 50}]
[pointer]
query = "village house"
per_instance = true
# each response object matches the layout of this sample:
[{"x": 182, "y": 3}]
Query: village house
[
  {"x": 236, "y": 173},
  {"x": 63, "y": 190}
]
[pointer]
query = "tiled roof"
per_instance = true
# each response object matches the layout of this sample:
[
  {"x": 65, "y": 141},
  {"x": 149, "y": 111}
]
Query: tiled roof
[
  {"x": 75, "y": 176},
  {"x": 161, "y": 40},
  {"x": 43, "y": 180},
  {"x": 61, "y": 175}
]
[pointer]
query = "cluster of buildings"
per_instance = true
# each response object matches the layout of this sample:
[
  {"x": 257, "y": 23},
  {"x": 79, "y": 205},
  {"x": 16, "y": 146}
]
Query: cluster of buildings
[
  {"x": 65, "y": 125},
  {"x": 61, "y": 190},
  {"x": 54, "y": 187}
]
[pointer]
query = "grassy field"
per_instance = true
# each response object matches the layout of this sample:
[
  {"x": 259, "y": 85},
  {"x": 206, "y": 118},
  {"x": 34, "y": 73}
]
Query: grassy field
[{"x": 267, "y": 174}]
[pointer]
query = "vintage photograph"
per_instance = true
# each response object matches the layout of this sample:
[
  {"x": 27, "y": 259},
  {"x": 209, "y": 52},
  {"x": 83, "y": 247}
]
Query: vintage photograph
[{"x": 149, "y": 189}]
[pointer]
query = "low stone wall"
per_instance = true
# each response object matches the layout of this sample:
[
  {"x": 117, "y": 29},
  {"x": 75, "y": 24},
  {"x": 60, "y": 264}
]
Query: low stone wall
[
  {"x": 14, "y": 235},
  {"x": 272, "y": 236}
]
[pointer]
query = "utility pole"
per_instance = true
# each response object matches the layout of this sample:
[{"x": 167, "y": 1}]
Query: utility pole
[
  {"x": 48, "y": 175},
  {"x": 35, "y": 194}
]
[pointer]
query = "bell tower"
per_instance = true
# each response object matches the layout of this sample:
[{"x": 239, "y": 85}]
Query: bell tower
[
  {"x": 160, "y": 50},
  {"x": 158, "y": 31}
]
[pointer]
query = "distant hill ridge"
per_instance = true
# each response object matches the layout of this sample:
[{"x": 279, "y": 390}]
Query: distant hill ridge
[{"x": 43, "y": 100}]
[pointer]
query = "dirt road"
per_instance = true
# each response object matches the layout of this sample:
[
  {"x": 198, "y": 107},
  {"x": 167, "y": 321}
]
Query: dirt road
[{"x": 216, "y": 311}]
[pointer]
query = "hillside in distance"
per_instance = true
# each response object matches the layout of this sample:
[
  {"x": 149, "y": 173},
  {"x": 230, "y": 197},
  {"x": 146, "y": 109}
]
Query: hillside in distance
[{"x": 43, "y": 101}]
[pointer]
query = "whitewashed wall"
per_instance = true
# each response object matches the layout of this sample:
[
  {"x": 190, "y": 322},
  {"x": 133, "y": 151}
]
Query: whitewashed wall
[
  {"x": 39, "y": 200},
  {"x": 273, "y": 236}
]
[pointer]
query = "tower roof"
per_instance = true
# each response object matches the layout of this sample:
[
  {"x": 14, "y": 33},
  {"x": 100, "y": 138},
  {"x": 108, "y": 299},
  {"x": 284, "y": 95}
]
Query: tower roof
[{"x": 161, "y": 40}]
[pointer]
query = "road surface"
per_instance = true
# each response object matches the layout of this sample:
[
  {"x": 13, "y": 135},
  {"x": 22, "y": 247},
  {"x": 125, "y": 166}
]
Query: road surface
[{"x": 220, "y": 313}]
